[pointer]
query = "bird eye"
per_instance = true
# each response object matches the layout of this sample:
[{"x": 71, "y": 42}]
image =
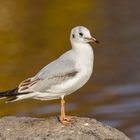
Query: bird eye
[{"x": 81, "y": 34}]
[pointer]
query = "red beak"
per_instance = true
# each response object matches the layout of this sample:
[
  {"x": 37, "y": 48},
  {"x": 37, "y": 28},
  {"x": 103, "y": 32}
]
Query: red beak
[{"x": 94, "y": 40}]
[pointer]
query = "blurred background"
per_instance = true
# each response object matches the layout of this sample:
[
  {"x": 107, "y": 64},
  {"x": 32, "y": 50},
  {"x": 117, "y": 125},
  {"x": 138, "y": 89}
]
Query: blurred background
[{"x": 33, "y": 33}]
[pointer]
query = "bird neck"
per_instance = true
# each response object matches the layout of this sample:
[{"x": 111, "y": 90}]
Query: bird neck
[
  {"x": 83, "y": 49},
  {"x": 84, "y": 55}
]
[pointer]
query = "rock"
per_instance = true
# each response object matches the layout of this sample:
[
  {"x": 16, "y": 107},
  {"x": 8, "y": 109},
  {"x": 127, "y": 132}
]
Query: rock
[{"x": 26, "y": 128}]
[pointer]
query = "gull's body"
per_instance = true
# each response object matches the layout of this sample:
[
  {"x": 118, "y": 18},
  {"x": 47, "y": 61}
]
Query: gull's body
[
  {"x": 55, "y": 83},
  {"x": 61, "y": 77}
]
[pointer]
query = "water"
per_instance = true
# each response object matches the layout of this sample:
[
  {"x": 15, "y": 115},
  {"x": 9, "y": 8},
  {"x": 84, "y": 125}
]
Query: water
[{"x": 34, "y": 33}]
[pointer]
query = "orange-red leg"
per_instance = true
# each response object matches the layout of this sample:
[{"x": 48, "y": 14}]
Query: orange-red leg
[{"x": 63, "y": 118}]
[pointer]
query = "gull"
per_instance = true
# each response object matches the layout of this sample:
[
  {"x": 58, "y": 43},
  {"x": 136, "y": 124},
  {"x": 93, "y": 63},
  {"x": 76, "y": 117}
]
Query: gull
[{"x": 61, "y": 77}]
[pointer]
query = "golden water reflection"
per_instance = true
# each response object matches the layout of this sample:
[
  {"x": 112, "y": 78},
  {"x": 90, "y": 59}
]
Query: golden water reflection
[{"x": 33, "y": 33}]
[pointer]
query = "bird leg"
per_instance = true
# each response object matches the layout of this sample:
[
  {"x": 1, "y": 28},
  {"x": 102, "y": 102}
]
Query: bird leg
[{"x": 63, "y": 119}]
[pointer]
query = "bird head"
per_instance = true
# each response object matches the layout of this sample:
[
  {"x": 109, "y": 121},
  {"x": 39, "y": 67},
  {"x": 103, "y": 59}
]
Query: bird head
[{"x": 81, "y": 34}]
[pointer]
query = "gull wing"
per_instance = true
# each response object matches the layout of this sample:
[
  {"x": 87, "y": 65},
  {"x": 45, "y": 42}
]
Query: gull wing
[{"x": 54, "y": 73}]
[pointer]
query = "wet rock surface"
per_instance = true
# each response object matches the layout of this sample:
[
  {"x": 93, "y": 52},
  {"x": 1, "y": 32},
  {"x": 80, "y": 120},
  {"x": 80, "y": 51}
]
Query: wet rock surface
[{"x": 26, "y": 128}]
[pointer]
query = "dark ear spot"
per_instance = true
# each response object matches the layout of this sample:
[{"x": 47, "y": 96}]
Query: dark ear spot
[{"x": 73, "y": 35}]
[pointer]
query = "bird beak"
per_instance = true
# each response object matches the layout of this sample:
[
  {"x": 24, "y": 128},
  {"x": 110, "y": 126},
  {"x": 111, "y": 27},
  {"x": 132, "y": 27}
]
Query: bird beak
[{"x": 92, "y": 39}]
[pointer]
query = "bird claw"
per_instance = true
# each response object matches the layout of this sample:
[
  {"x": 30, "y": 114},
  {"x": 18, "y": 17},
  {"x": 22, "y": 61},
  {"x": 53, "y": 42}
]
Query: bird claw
[{"x": 65, "y": 120}]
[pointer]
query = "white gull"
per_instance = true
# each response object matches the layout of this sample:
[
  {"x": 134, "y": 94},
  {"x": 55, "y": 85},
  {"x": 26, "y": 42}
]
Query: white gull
[{"x": 61, "y": 77}]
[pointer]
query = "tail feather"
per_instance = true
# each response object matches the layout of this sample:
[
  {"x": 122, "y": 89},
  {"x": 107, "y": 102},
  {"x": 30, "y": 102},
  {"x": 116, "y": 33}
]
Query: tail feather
[{"x": 9, "y": 93}]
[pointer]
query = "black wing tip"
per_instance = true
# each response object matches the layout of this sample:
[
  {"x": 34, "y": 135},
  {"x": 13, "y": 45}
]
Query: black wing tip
[{"x": 9, "y": 93}]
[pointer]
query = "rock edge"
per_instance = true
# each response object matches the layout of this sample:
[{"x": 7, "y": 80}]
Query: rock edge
[{"x": 26, "y": 128}]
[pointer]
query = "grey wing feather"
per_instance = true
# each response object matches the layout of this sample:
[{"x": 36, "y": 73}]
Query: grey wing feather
[
  {"x": 54, "y": 73},
  {"x": 56, "y": 68}
]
